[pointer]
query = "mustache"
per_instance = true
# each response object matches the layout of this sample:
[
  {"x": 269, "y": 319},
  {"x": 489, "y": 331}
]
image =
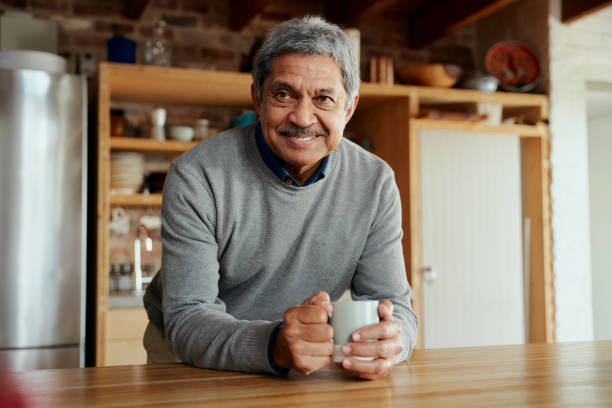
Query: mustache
[{"x": 295, "y": 131}]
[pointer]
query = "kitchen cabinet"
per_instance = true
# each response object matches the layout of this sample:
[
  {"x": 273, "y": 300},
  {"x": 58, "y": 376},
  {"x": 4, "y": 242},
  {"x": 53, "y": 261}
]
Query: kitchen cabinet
[
  {"x": 396, "y": 124},
  {"x": 388, "y": 118}
]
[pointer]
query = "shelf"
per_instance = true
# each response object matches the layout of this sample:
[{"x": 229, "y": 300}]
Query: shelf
[
  {"x": 429, "y": 95},
  {"x": 153, "y": 84},
  {"x": 150, "y": 145},
  {"x": 136, "y": 200},
  {"x": 537, "y": 131}
]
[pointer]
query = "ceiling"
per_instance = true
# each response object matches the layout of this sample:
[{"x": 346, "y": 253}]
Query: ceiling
[{"x": 426, "y": 20}]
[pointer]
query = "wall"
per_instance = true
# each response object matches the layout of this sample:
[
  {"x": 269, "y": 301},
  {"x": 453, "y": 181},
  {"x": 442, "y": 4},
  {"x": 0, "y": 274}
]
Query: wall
[
  {"x": 599, "y": 109},
  {"x": 570, "y": 56},
  {"x": 200, "y": 37},
  {"x": 579, "y": 52}
]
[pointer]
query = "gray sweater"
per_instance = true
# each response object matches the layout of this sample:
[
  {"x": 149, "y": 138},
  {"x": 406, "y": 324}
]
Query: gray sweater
[{"x": 240, "y": 247}]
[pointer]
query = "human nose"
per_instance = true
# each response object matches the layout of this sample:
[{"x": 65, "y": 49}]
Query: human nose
[{"x": 302, "y": 115}]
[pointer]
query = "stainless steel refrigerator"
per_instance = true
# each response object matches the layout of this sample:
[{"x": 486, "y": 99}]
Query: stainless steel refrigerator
[{"x": 43, "y": 174}]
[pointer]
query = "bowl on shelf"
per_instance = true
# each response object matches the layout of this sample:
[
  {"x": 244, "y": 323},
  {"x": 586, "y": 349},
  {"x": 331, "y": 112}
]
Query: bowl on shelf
[
  {"x": 479, "y": 82},
  {"x": 182, "y": 133},
  {"x": 440, "y": 75},
  {"x": 127, "y": 170}
]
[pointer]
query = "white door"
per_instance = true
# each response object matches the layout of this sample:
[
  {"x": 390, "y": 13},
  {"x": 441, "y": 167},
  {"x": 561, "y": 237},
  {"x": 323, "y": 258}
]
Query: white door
[{"x": 471, "y": 238}]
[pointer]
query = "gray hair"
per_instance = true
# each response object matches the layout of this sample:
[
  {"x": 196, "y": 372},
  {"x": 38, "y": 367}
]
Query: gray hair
[{"x": 309, "y": 35}]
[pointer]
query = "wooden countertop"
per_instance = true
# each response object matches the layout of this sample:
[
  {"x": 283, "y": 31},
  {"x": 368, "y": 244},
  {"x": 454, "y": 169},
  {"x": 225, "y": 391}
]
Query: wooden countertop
[{"x": 561, "y": 374}]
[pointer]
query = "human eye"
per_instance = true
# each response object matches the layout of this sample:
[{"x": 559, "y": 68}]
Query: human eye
[
  {"x": 282, "y": 95},
  {"x": 325, "y": 102},
  {"x": 325, "y": 99}
]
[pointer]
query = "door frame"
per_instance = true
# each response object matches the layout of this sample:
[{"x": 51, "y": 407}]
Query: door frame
[{"x": 535, "y": 167}]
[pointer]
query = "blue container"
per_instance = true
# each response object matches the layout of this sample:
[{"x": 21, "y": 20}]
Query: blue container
[
  {"x": 121, "y": 49},
  {"x": 245, "y": 118}
]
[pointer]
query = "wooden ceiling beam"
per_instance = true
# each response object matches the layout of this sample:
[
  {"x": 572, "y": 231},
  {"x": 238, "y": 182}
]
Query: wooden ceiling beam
[
  {"x": 134, "y": 9},
  {"x": 572, "y": 10},
  {"x": 242, "y": 12},
  {"x": 349, "y": 13},
  {"x": 436, "y": 18}
]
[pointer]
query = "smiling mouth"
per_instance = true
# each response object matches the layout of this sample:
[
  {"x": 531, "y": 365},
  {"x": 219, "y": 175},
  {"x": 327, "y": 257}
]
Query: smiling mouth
[
  {"x": 301, "y": 134},
  {"x": 304, "y": 138}
]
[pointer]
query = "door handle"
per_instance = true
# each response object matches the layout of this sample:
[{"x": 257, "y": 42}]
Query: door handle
[{"x": 429, "y": 274}]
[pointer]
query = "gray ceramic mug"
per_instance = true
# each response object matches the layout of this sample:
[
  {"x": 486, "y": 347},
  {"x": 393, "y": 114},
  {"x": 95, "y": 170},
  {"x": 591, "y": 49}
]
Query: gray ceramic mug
[{"x": 349, "y": 316}]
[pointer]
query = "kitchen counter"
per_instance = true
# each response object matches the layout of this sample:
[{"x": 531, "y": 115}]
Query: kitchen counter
[{"x": 559, "y": 374}]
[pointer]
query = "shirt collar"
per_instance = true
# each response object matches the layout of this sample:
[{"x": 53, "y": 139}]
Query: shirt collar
[{"x": 273, "y": 162}]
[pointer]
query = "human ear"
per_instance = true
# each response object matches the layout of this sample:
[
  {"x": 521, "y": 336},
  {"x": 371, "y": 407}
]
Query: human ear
[
  {"x": 255, "y": 99},
  {"x": 351, "y": 110}
]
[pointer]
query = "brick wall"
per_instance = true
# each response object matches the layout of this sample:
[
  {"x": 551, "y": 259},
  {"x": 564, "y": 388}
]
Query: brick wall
[{"x": 200, "y": 37}]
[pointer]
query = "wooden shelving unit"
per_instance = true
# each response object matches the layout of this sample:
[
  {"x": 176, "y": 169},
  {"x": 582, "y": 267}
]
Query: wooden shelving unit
[
  {"x": 136, "y": 200},
  {"x": 149, "y": 145},
  {"x": 143, "y": 84},
  {"x": 388, "y": 115}
]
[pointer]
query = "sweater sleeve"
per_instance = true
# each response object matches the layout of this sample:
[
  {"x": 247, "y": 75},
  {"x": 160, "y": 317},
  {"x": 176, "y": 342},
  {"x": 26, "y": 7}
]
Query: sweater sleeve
[
  {"x": 381, "y": 272},
  {"x": 196, "y": 323}
]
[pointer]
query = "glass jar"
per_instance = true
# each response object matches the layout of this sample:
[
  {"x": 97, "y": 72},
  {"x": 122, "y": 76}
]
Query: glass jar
[
  {"x": 120, "y": 248},
  {"x": 126, "y": 279},
  {"x": 117, "y": 128},
  {"x": 147, "y": 250},
  {"x": 201, "y": 129}
]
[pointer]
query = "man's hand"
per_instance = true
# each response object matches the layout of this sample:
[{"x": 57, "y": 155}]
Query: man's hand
[
  {"x": 304, "y": 343},
  {"x": 384, "y": 351}
]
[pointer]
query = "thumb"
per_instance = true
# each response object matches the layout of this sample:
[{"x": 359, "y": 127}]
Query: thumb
[
  {"x": 385, "y": 310},
  {"x": 320, "y": 299}
]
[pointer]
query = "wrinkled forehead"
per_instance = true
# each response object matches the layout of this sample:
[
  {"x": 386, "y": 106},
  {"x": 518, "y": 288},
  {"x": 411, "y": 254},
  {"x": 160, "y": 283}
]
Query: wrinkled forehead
[{"x": 296, "y": 69}]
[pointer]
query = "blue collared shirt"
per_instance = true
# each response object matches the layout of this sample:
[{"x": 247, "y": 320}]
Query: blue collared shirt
[{"x": 273, "y": 162}]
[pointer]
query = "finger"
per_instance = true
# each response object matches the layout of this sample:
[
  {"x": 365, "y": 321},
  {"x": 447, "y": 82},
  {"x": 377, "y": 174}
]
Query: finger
[
  {"x": 382, "y": 330},
  {"x": 385, "y": 310},
  {"x": 305, "y": 314},
  {"x": 308, "y": 364},
  {"x": 312, "y": 315},
  {"x": 320, "y": 299},
  {"x": 311, "y": 349},
  {"x": 379, "y": 349},
  {"x": 369, "y": 370},
  {"x": 322, "y": 332}
]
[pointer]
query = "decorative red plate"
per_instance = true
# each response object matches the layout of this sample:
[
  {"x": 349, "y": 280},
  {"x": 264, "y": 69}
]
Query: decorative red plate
[{"x": 514, "y": 65}]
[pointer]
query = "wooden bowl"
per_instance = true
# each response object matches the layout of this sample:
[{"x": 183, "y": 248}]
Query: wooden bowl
[{"x": 441, "y": 75}]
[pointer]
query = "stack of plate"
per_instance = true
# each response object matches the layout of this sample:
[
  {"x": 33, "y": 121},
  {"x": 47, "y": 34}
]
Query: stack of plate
[{"x": 127, "y": 172}]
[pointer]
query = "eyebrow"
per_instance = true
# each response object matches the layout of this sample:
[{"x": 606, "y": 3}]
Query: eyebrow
[{"x": 286, "y": 85}]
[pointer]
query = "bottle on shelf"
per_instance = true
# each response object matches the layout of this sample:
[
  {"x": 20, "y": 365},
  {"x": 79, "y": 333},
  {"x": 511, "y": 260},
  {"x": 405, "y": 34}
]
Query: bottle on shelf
[
  {"x": 158, "y": 120},
  {"x": 158, "y": 50}
]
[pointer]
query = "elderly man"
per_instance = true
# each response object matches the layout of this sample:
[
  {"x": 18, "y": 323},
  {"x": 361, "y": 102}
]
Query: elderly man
[{"x": 264, "y": 225}]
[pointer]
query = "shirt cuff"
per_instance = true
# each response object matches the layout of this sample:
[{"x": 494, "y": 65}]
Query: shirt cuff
[{"x": 280, "y": 371}]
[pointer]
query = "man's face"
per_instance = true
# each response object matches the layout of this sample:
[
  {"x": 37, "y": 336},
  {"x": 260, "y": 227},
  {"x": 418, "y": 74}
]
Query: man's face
[{"x": 303, "y": 111}]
